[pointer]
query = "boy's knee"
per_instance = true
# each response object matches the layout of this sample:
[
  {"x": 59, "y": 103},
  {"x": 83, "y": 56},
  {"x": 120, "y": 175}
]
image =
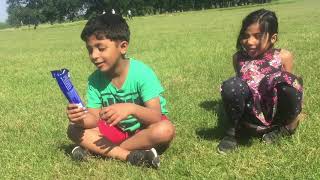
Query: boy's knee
[
  {"x": 75, "y": 133},
  {"x": 163, "y": 132}
]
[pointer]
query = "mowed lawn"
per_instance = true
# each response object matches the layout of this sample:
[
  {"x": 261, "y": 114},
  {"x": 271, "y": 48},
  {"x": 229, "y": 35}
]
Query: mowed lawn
[{"x": 191, "y": 53}]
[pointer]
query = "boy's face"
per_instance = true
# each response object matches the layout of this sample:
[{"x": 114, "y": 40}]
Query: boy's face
[{"x": 105, "y": 53}]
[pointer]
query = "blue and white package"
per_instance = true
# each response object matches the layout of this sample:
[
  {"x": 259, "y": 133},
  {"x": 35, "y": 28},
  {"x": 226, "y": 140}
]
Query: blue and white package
[{"x": 63, "y": 78}]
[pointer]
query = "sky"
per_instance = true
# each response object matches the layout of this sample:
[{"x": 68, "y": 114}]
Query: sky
[{"x": 3, "y": 10}]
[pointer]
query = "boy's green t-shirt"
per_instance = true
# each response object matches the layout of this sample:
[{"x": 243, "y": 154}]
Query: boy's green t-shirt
[{"x": 141, "y": 85}]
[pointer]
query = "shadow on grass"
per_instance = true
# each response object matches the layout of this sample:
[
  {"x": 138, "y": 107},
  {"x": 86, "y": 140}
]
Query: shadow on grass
[
  {"x": 67, "y": 148},
  {"x": 217, "y": 132},
  {"x": 77, "y": 134}
]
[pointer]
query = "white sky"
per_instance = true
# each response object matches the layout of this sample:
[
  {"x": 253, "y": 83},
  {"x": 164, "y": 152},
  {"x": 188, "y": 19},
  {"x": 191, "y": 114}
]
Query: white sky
[{"x": 3, "y": 10}]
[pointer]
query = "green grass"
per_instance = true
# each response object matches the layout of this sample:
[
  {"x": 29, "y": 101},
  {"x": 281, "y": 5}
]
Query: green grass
[{"x": 191, "y": 53}]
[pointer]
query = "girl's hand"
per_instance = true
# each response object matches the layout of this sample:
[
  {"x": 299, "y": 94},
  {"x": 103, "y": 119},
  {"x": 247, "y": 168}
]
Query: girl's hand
[
  {"x": 117, "y": 112},
  {"x": 76, "y": 114}
]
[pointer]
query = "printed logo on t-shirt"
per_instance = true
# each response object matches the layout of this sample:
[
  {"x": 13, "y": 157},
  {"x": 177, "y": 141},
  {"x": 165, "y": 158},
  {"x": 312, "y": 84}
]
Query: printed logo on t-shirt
[{"x": 109, "y": 98}]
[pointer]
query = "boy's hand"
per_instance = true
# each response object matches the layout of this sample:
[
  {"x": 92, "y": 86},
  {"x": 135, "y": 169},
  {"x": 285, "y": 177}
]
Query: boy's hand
[
  {"x": 76, "y": 114},
  {"x": 117, "y": 112}
]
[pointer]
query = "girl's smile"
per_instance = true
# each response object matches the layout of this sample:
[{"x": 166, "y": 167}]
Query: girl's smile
[{"x": 255, "y": 42}]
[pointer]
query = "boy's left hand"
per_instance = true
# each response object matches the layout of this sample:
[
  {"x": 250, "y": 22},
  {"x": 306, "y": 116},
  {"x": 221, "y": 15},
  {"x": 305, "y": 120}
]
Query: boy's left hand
[{"x": 117, "y": 112}]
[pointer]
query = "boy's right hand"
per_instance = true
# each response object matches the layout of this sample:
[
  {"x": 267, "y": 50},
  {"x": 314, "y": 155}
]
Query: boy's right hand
[{"x": 75, "y": 113}]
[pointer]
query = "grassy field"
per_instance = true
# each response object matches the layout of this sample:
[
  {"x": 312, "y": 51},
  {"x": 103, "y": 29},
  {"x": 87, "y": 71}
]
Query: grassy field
[{"x": 191, "y": 53}]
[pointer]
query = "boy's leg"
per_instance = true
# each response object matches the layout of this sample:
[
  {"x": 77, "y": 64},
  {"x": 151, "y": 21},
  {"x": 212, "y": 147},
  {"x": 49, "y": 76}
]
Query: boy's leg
[
  {"x": 288, "y": 108},
  {"x": 160, "y": 133},
  {"x": 234, "y": 93},
  {"x": 92, "y": 140},
  {"x": 130, "y": 150}
]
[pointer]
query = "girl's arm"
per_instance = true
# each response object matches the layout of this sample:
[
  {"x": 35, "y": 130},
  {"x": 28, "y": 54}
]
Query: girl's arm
[
  {"x": 235, "y": 65},
  {"x": 286, "y": 60}
]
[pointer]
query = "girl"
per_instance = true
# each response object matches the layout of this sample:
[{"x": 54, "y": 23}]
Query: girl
[{"x": 264, "y": 96}]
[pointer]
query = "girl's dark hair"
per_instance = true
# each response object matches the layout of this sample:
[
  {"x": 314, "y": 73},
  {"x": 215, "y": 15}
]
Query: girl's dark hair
[
  {"x": 267, "y": 20},
  {"x": 107, "y": 26}
]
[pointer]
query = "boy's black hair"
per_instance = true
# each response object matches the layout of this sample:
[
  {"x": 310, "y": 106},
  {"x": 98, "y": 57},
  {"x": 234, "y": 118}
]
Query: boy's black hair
[
  {"x": 107, "y": 26},
  {"x": 267, "y": 20}
]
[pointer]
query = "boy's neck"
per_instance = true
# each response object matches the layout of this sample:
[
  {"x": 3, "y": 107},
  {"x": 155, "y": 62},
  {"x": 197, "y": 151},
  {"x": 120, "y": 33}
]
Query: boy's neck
[
  {"x": 118, "y": 69},
  {"x": 119, "y": 74}
]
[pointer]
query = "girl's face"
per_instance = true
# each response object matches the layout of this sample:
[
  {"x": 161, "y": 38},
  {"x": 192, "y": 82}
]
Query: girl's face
[{"x": 256, "y": 42}]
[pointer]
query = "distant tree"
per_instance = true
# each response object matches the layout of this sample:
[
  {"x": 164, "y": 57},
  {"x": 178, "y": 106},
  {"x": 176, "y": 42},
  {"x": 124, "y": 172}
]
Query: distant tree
[
  {"x": 67, "y": 9},
  {"x": 21, "y": 12},
  {"x": 38, "y": 11}
]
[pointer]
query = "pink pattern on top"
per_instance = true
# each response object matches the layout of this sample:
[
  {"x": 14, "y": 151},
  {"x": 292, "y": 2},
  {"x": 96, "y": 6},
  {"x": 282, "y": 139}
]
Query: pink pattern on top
[{"x": 262, "y": 74}]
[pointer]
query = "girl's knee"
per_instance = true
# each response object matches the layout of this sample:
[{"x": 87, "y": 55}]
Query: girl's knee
[
  {"x": 286, "y": 90},
  {"x": 232, "y": 87},
  {"x": 289, "y": 102}
]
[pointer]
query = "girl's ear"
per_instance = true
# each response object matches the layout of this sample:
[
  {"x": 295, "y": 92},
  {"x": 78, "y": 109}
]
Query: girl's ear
[
  {"x": 123, "y": 47},
  {"x": 274, "y": 38}
]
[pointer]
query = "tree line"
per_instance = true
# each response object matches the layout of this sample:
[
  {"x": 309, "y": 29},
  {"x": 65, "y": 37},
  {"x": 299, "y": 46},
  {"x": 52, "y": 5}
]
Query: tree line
[{"x": 33, "y": 12}]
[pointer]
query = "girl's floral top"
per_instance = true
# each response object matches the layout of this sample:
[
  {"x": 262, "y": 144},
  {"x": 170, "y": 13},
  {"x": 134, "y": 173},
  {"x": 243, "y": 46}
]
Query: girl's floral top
[{"x": 263, "y": 74}]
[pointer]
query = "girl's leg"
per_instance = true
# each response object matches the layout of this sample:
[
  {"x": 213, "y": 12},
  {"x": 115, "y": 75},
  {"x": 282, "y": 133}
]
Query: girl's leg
[
  {"x": 288, "y": 109},
  {"x": 289, "y": 106},
  {"x": 234, "y": 93}
]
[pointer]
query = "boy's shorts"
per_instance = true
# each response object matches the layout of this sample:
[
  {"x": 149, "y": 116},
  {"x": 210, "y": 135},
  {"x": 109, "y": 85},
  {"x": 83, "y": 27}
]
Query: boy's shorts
[{"x": 115, "y": 135}]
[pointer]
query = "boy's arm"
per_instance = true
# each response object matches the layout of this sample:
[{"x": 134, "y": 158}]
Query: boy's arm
[
  {"x": 91, "y": 119},
  {"x": 148, "y": 114},
  {"x": 286, "y": 60},
  {"x": 86, "y": 118}
]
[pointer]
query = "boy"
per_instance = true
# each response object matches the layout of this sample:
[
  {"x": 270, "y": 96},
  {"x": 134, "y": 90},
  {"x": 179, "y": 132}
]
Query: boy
[{"x": 125, "y": 117}]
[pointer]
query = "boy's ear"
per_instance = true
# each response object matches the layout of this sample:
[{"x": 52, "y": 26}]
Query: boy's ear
[
  {"x": 123, "y": 47},
  {"x": 274, "y": 38}
]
